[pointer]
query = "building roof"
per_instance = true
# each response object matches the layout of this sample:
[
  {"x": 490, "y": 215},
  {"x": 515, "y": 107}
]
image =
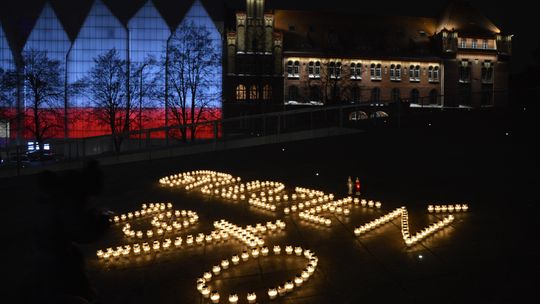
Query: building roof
[
  {"x": 466, "y": 19},
  {"x": 354, "y": 34},
  {"x": 19, "y": 17}
]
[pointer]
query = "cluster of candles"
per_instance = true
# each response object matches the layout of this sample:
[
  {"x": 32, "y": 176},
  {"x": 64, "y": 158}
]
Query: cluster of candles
[
  {"x": 448, "y": 208},
  {"x": 194, "y": 179},
  {"x": 254, "y": 253},
  {"x": 419, "y": 236},
  {"x": 377, "y": 222},
  {"x": 367, "y": 203},
  {"x": 145, "y": 210},
  {"x": 338, "y": 207},
  {"x": 164, "y": 223},
  {"x": 311, "y": 198},
  {"x": 250, "y": 234}
]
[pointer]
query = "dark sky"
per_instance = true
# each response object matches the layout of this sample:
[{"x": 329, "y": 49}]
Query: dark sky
[{"x": 514, "y": 17}]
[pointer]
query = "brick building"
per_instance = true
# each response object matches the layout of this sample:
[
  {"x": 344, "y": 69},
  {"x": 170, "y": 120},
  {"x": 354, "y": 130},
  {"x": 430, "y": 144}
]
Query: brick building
[{"x": 276, "y": 58}]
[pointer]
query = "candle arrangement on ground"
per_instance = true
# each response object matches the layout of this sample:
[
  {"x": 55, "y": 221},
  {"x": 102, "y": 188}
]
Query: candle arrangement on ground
[
  {"x": 448, "y": 208},
  {"x": 254, "y": 253},
  {"x": 310, "y": 205},
  {"x": 407, "y": 237}
]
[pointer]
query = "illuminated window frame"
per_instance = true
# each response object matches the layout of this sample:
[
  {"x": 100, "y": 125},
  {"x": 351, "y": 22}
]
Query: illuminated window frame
[
  {"x": 356, "y": 70},
  {"x": 240, "y": 92}
]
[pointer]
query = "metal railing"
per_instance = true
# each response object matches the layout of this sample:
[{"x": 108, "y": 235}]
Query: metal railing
[{"x": 362, "y": 115}]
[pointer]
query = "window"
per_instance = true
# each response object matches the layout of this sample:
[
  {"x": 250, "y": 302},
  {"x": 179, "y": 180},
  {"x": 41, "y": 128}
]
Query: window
[
  {"x": 315, "y": 93},
  {"x": 415, "y": 96},
  {"x": 334, "y": 69},
  {"x": 395, "y": 72},
  {"x": 433, "y": 73},
  {"x": 293, "y": 69},
  {"x": 355, "y": 94},
  {"x": 485, "y": 44},
  {"x": 267, "y": 92},
  {"x": 487, "y": 72},
  {"x": 253, "y": 92},
  {"x": 414, "y": 73},
  {"x": 241, "y": 92},
  {"x": 311, "y": 69},
  {"x": 375, "y": 95},
  {"x": 462, "y": 43},
  {"x": 375, "y": 71},
  {"x": 465, "y": 71},
  {"x": 290, "y": 68},
  {"x": 293, "y": 93},
  {"x": 317, "y": 72},
  {"x": 356, "y": 71},
  {"x": 433, "y": 97},
  {"x": 396, "y": 95},
  {"x": 474, "y": 44}
]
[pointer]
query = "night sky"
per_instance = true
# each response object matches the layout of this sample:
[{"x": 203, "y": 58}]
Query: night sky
[{"x": 511, "y": 17}]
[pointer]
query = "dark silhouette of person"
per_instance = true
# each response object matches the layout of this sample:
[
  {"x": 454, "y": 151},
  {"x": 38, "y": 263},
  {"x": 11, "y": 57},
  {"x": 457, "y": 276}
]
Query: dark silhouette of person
[{"x": 66, "y": 220}]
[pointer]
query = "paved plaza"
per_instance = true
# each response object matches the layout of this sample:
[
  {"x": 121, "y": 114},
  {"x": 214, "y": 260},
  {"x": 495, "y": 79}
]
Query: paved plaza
[{"x": 481, "y": 257}]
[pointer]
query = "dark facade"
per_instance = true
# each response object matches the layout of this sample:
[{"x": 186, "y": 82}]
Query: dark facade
[{"x": 457, "y": 59}]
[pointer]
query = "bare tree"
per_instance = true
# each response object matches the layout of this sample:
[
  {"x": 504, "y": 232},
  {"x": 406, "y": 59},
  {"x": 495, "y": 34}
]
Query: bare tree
[
  {"x": 144, "y": 82},
  {"x": 105, "y": 87},
  {"x": 44, "y": 90},
  {"x": 193, "y": 61}
]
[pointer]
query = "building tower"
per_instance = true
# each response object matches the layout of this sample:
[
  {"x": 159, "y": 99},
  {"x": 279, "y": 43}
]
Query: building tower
[{"x": 253, "y": 82}]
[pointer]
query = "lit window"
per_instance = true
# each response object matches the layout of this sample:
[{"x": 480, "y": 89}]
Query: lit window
[
  {"x": 241, "y": 92},
  {"x": 290, "y": 68},
  {"x": 317, "y": 72},
  {"x": 433, "y": 73},
  {"x": 293, "y": 69},
  {"x": 465, "y": 71},
  {"x": 414, "y": 73},
  {"x": 375, "y": 71},
  {"x": 395, "y": 72},
  {"x": 267, "y": 92},
  {"x": 487, "y": 72},
  {"x": 253, "y": 93},
  {"x": 334, "y": 69},
  {"x": 356, "y": 70}
]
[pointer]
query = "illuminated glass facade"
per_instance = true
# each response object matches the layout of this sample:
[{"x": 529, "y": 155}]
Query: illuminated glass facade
[
  {"x": 142, "y": 41},
  {"x": 49, "y": 35},
  {"x": 6, "y": 57},
  {"x": 100, "y": 32},
  {"x": 148, "y": 35},
  {"x": 198, "y": 15}
]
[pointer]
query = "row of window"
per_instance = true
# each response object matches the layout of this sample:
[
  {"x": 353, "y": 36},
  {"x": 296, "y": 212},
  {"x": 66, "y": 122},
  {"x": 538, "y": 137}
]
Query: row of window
[
  {"x": 355, "y": 95},
  {"x": 463, "y": 43},
  {"x": 254, "y": 92},
  {"x": 375, "y": 71},
  {"x": 465, "y": 71}
]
